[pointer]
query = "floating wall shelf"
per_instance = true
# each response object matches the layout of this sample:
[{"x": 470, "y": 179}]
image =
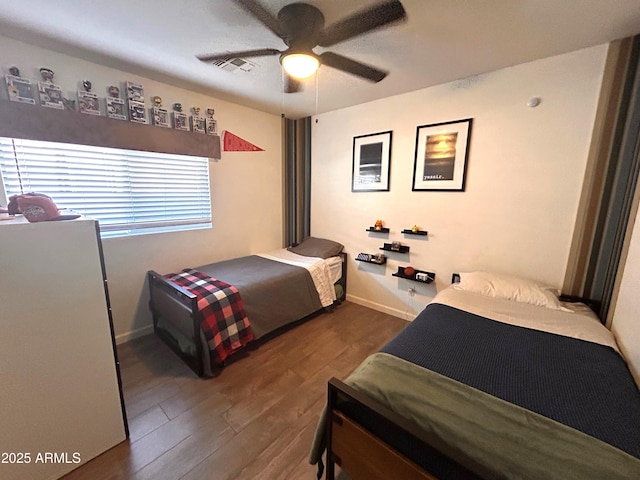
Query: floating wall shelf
[
  {"x": 400, "y": 274},
  {"x": 381, "y": 230},
  {"x": 411, "y": 232},
  {"x": 372, "y": 259},
  {"x": 389, "y": 248}
]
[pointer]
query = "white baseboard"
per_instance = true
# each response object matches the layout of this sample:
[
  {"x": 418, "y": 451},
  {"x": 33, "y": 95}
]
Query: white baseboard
[
  {"x": 381, "y": 308},
  {"x": 139, "y": 332}
]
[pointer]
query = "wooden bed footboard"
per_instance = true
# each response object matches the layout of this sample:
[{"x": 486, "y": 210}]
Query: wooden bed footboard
[
  {"x": 362, "y": 451},
  {"x": 172, "y": 301}
]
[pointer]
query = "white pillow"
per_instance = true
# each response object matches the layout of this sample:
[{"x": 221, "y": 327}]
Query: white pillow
[{"x": 511, "y": 288}]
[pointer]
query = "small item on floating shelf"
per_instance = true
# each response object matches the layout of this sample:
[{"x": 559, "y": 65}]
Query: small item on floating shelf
[
  {"x": 422, "y": 276},
  {"x": 415, "y": 229},
  {"x": 409, "y": 271},
  {"x": 378, "y": 225}
]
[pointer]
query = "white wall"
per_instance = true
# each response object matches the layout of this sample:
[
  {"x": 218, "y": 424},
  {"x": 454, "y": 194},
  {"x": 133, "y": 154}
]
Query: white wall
[
  {"x": 525, "y": 172},
  {"x": 246, "y": 187}
]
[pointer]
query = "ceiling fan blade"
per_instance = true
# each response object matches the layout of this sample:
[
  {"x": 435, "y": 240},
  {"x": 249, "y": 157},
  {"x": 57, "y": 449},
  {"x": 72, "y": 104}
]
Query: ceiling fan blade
[
  {"x": 363, "y": 21},
  {"x": 247, "y": 53},
  {"x": 291, "y": 85},
  {"x": 259, "y": 12},
  {"x": 345, "y": 64}
]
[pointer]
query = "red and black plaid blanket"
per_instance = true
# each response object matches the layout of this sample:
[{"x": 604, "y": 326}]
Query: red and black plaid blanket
[{"x": 224, "y": 321}]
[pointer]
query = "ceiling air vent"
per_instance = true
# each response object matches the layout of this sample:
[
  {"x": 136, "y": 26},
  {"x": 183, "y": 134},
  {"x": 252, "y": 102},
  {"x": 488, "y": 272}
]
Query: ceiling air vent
[{"x": 234, "y": 65}]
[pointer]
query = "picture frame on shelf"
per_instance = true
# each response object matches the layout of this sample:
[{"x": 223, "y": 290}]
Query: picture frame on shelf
[
  {"x": 441, "y": 155},
  {"x": 371, "y": 162},
  {"x": 20, "y": 89}
]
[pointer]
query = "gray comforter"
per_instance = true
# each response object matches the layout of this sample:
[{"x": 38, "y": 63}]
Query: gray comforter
[{"x": 274, "y": 294}]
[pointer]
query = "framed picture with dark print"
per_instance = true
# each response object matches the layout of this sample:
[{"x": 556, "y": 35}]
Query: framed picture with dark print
[
  {"x": 440, "y": 162},
  {"x": 371, "y": 162}
]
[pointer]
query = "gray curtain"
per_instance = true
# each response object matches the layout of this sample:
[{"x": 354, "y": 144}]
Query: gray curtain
[
  {"x": 621, "y": 182},
  {"x": 297, "y": 178},
  {"x": 610, "y": 182}
]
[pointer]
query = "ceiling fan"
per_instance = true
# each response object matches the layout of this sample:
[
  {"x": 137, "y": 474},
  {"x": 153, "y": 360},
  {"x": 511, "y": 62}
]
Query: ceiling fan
[{"x": 301, "y": 27}]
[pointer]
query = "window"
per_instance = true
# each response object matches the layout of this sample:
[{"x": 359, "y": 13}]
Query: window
[{"x": 129, "y": 192}]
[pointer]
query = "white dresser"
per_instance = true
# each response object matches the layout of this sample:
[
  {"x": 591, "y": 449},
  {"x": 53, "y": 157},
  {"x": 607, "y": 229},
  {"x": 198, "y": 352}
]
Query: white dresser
[{"x": 60, "y": 393}]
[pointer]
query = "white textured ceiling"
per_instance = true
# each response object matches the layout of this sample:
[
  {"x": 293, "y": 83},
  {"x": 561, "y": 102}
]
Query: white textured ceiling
[{"x": 442, "y": 41}]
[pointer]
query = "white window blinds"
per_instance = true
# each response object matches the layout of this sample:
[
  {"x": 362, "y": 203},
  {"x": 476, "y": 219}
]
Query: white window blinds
[{"x": 128, "y": 191}]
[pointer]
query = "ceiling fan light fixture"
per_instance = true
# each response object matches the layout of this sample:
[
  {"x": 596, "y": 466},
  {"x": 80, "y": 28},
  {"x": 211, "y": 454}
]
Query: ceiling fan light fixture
[{"x": 299, "y": 65}]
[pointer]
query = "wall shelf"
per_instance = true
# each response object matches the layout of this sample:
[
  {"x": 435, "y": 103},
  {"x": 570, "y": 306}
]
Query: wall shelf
[
  {"x": 400, "y": 274},
  {"x": 401, "y": 249},
  {"x": 411, "y": 232},
  {"x": 381, "y": 230},
  {"x": 370, "y": 258}
]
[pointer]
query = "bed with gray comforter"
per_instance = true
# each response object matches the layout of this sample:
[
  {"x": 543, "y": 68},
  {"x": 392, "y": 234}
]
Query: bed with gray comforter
[{"x": 277, "y": 289}]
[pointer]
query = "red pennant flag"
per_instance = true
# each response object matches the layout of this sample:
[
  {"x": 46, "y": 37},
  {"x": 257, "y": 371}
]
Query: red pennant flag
[{"x": 233, "y": 143}]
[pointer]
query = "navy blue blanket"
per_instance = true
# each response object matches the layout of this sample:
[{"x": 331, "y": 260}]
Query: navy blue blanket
[{"x": 581, "y": 384}]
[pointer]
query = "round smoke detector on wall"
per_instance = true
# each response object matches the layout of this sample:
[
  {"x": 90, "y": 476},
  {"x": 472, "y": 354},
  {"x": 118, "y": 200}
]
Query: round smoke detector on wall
[{"x": 534, "y": 102}]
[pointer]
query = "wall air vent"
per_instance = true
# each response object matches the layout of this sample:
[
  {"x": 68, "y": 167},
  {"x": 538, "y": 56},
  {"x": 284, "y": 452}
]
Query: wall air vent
[{"x": 234, "y": 65}]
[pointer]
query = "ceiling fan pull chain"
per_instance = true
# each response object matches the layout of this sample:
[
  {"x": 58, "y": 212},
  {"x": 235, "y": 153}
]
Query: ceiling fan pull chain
[
  {"x": 317, "y": 81},
  {"x": 282, "y": 79}
]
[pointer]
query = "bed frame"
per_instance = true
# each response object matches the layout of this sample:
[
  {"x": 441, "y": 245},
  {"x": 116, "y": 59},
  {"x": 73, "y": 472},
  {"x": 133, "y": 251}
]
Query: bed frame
[
  {"x": 171, "y": 301},
  {"x": 361, "y": 453}
]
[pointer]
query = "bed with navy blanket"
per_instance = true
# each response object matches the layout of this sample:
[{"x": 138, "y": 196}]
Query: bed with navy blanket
[{"x": 489, "y": 388}]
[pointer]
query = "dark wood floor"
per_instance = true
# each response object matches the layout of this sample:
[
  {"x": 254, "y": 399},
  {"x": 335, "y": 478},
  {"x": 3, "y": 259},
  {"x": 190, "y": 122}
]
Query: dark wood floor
[{"x": 254, "y": 421}]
